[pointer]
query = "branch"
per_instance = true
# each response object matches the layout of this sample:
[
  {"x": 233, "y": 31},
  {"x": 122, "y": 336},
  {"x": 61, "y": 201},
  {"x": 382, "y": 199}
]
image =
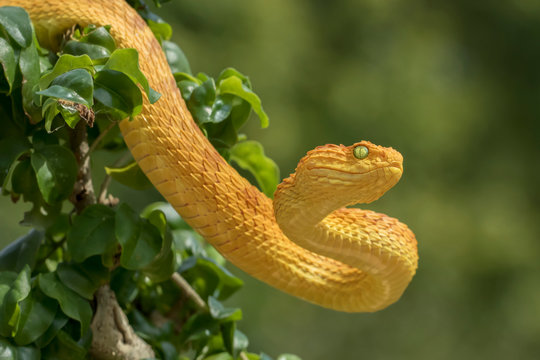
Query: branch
[
  {"x": 83, "y": 191},
  {"x": 113, "y": 337},
  {"x": 189, "y": 291}
]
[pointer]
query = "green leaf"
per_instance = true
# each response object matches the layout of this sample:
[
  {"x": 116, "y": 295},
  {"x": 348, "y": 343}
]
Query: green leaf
[
  {"x": 64, "y": 347},
  {"x": 21, "y": 252},
  {"x": 130, "y": 175},
  {"x": 9, "y": 64},
  {"x": 234, "y": 340},
  {"x": 49, "y": 111},
  {"x": 7, "y": 351},
  {"x": 161, "y": 30},
  {"x": 92, "y": 232},
  {"x": 58, "y": 323},
  {"x": 241, "y": 341},
  {"x": 127, "y": 62},
  {"x": 212, "y": 279},
  {"x": 288, "y": 357},
  {"x": 70, "y": 113},
  {"x": 75, "y": 85},
  {"x": 37, "y": 314},
  {"x": 232, "y": 72},
  {"x": 30, "y": 69},
  {"x": 249, "y": 155},
  {"x": 71, "y": 304},
  {"x": 174, "y": 220},
  {"x": 66, "y": 63},
  {"x": 169, "y": 351},
  {"x": 159, "y": 220},
  {"x": 6, "y": 282},
  {"x": 222, "y": 135},
  {"x": 117, "y": 94},
  {"x": 219, "y": 312},
  {"x": 10, "y": 150},
  {"x": 220, "y": 356},
  {"x": 201, "y": 101},
  {"x": 84, "y": 278},
  {"x": 23, "y": 180},
  {"x": 240, "y": 114},
  {"x": 140, "y": 240},
  {"x": 14, "y": 288},
  {"x": 233, "y": 85},
  {"x": 163, "y": 265},
  {"x": 12, "y": 124},
  {"x": 142, "y": 325},
  {"x": 124, "y": 286},
  {"x": 184, "y": 76},
  {"x": 16, "y": 22},
  {"x": 95, "y": 52},
  {"x": 58, "y": 230},
  {"x": 28, "y": 353},
  {"x": 100, "y": 36},
  {"x": 61, "y": 92},
  {"x": 186, "y": 89},
  {"x": 199, "y": 325},
  {"x": 56, "y": 172},
  {"x": 176, "y": 58},
  {"x": 221, "y": 108},
  {"x": 188, "y": 243},
  {"x": 42, "y": 215},
  {"x": 41, "y": 138}
]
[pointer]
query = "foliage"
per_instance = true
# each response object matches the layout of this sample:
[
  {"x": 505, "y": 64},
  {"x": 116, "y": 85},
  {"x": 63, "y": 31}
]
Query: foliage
[{"x": 49, "y": 276}]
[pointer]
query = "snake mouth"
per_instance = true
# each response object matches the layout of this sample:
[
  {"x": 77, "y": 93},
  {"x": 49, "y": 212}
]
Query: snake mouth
[{"x": 395, "y": 164}]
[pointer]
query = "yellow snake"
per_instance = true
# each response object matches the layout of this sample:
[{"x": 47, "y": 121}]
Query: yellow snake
[{"x": 305, "y": 243}]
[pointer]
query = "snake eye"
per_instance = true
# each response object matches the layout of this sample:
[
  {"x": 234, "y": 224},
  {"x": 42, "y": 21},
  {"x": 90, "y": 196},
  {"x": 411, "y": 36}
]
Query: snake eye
[{"x": 360, "y": 152}]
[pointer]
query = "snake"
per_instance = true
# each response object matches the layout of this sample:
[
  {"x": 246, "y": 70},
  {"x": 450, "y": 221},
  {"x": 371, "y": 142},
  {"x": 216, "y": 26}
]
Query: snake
[{"x": 308, "y": 241}]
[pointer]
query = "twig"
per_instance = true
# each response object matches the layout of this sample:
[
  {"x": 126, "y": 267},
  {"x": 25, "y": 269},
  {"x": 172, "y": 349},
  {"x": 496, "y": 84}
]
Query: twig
[
  {"x": 102, "y": 197},
  {"x": 189, "y": 291},
  {"x": 99, "y": 138},
  {"x": 243, "y": 356}
]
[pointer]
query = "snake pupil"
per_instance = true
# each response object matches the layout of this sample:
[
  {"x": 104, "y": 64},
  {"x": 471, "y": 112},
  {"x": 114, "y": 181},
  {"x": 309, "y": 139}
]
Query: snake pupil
[{"x": 360, "y": 152}]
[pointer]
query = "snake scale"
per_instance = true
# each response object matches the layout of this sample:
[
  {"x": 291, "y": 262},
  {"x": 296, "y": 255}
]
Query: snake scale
[{"x": 306, "y": 242}]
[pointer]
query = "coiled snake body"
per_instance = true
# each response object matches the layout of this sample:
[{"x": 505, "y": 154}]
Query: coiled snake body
[{"x": 306, "y": 242}]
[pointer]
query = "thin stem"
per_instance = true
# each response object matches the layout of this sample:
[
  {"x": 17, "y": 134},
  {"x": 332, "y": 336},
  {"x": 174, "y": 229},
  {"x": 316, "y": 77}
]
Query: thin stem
[
  {"x": 102, "y": 197},
  {"x": 189, "y": 291},
  {"x": 99, "y": 138}
]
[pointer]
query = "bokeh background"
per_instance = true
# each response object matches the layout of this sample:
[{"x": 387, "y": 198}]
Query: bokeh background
[{"x": 455, "y": 87}]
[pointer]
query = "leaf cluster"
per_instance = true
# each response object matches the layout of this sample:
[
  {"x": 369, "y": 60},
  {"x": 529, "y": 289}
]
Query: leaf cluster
[{"x": 48, "y": 277}]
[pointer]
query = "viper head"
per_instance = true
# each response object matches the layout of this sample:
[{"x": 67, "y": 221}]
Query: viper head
[{"x": 361, "y": 172}]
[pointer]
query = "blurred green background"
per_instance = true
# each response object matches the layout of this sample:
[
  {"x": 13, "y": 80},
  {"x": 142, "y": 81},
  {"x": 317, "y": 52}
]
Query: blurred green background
[{"x": 455, "y": 87}]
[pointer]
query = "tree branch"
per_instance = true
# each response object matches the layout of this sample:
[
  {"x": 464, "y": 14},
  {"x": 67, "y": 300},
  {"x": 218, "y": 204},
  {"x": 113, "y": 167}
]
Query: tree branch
[
  {"x": 189, "y": 291},
  {"x": 83, "y": 192},
  {"x": 113, "y": 337}
]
